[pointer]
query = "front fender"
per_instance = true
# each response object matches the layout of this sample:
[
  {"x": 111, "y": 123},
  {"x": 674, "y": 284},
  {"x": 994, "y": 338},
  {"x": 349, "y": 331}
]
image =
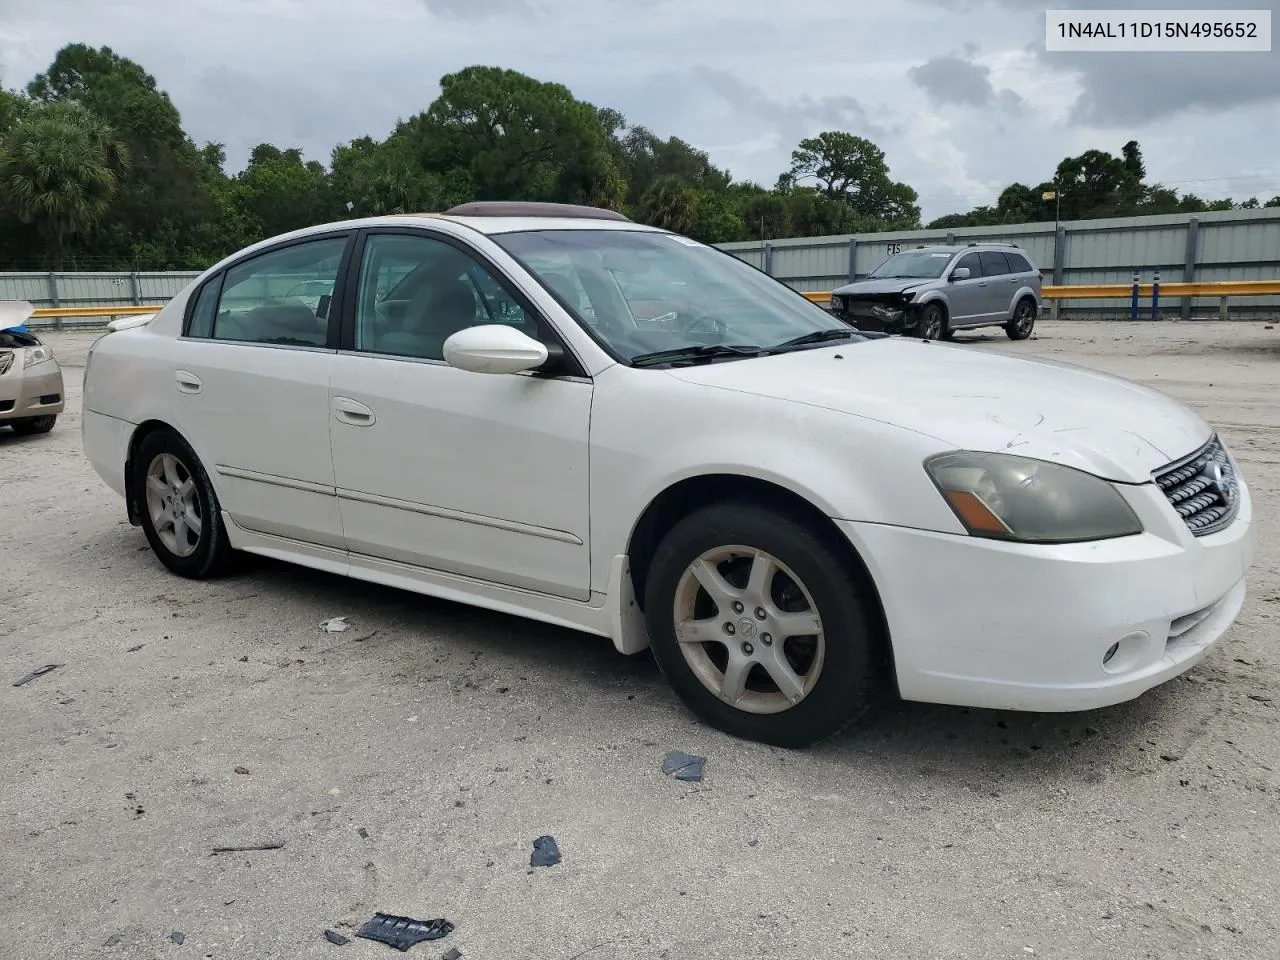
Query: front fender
[{"x": 650, "y": 431}]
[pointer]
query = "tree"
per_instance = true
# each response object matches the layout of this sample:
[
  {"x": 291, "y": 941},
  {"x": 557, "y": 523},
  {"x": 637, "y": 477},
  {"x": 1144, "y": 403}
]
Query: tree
[
  {"x": 516, "y": 138},
  {"x": 164, "y": 207},
  {"x": 59, "y": 168},
  {"x": 853, "y": 170},
  {"x": 670, "y": 204}
]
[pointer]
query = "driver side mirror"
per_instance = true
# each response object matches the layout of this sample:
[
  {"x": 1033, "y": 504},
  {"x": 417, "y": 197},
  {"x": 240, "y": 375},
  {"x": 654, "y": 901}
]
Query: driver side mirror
[
  {"x": 959, "y": 273},
  {"x": 494, "y": 348}
]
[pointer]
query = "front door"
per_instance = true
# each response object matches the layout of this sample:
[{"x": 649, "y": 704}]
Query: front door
[
  {"x": 250, "y": 389},
  {"x": 482, "y": 475},
  {"x": 966, "y": 297}
]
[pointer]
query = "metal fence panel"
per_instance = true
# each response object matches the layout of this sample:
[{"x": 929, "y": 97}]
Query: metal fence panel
[{"x": 1222, "y": 245}]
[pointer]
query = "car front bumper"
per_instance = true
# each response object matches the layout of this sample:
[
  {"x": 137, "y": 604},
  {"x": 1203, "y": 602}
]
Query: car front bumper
[
  {"x": 982, "y": 623},
  {"x": 34, "y": 392}
]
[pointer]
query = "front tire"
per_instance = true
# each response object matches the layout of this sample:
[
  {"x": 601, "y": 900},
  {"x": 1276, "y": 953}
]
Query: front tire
[
  {"x": 178, "y": 508},
  {"x": 1024, "y": 320},
  {"x": 32, "y": 425},
  {"x": 932, "y": 323},
  {"x": 761, "y": 626}
]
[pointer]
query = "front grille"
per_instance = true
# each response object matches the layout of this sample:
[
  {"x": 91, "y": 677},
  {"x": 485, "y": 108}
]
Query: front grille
[{"x": 1203, "y": 488}]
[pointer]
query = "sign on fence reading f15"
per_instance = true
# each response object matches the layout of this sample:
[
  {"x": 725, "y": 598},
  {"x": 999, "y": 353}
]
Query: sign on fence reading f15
[{"x": 1138, "y": 31}]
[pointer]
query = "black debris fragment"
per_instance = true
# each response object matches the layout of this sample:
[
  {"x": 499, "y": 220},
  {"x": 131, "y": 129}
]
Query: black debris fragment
[
  {"x": 250, "y": 848},
  {"x": 546, "y": 853},
  {"x": 362, "y": 833},
  {"x": 685, "y": 766},
  {"x": 454, "y": 954},
  {"x": 178, "y": 937},
  {"x": 1170, "y": 757},
  {"x": 337, "y": 939},
  {"x": 38, "y": 672},
  {"x": 114, "y": 940},
  {"x": 403, "y": 932},
  {"x": 135, "y": 649}
]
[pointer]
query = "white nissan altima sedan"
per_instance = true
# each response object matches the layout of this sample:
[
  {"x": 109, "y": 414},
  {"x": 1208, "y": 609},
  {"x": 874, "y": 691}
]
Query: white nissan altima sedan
[{"x": 560, "y": 414}]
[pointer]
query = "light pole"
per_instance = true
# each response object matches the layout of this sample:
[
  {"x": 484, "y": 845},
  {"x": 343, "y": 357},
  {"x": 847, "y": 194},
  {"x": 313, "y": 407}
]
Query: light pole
[{"x": 1056, "y": 196}]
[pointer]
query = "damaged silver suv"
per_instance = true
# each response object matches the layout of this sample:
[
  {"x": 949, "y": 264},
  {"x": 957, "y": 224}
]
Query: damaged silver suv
[{"x": 931, "y": 292}]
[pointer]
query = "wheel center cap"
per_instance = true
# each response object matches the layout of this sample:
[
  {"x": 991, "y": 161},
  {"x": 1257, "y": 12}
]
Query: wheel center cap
[{"x": 746, "y": 628}]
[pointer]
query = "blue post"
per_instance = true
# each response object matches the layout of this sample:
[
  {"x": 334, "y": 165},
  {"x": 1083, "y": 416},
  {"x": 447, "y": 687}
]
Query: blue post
[
  {"x": 1133, "y": 303},
  {"x": 1155, "y": 297}
]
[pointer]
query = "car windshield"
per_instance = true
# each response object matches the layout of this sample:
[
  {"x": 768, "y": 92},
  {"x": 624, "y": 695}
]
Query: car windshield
[
  {"x": 916, "y": 265},
  {"x": 644, "y": 293}
]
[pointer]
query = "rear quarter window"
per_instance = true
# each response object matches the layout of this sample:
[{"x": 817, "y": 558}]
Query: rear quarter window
[{"x": 1019, "y": 263}]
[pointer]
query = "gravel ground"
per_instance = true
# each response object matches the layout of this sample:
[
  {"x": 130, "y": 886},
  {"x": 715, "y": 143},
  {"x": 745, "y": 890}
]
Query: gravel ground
[{"x": 194, "y": 715}]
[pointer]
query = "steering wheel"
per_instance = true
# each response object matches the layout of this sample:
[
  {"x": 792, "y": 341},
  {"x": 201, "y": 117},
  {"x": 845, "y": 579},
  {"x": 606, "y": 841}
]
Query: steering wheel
[{"x": 700, "y": 319}]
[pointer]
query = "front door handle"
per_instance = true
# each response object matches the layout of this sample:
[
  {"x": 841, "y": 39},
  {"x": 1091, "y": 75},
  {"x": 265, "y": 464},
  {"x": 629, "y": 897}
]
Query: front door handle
[
  {"x": 352, "y": 412},
  {"x": 187, "y": 382}
]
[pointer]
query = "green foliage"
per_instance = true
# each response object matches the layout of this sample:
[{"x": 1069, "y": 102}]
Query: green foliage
[
  {"x": 96, "y": 170},
  {"x": 59, "y": 169},
  {"x": 1091, "y": 186}
]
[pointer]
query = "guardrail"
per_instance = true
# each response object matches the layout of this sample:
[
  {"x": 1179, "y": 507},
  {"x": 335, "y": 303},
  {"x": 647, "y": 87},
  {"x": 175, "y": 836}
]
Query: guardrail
[
  {"x": 96, "y": 316},
  {"x": 1222, "y": 289}
]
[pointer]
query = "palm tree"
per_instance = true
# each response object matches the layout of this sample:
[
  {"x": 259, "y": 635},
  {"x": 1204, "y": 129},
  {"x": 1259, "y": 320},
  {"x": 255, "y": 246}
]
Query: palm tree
[
  {"x": 59, "y": 168},
  {"x": 670, "y": 204}
]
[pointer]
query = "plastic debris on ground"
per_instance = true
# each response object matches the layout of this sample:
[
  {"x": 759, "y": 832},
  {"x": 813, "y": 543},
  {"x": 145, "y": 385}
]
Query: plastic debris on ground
[
  {"x": 38, "y": 672},
  {"x": 454, "y": 954},
  {"x": 335, "y": 625},
  {"x": 685, "y": 766},
  {"x": 178, "y": 937},
  {"x": 546, "y": 853},
  {"x": 337, "y": 939},
  {"x": 403, "y": 932}
]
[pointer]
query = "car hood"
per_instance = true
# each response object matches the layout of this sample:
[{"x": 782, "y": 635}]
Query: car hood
[
  {"x": 879, "y": 286},
  {"x": 974, "y": 400}
]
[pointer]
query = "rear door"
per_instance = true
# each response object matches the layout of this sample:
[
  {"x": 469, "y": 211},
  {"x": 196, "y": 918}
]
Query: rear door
[
  {"x": 1002, "y": 284},
  {"x": 965, "y": 297},
  {"x": 250, "y": 382}
]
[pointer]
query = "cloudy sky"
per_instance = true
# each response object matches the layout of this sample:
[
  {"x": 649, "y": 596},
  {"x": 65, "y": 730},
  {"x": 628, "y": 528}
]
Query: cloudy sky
[{"x": 960, "y": 94}]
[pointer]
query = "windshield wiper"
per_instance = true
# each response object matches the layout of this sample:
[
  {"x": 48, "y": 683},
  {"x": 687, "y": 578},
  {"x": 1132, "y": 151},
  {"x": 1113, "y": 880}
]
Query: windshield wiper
[
  {"x": 705, "y": 351},
  {"x": 819, "y": 336}
]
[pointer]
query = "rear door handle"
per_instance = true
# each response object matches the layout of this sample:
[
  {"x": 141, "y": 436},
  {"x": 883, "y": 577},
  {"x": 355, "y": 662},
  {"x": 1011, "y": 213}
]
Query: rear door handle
[
  {"x": 187, "y": 382},
  {"x": 352, "y": 412}
]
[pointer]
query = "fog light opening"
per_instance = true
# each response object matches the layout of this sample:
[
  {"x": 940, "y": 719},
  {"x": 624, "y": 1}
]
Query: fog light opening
[{"x": 1126, "y": 654}]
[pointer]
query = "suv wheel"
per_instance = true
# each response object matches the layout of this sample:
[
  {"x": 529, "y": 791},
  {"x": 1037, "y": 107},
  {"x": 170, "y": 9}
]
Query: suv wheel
[
  {"x": 932, "y": 323},
  {"x": 1024, "y": 320},
  {"x": 760, "y": 626}
]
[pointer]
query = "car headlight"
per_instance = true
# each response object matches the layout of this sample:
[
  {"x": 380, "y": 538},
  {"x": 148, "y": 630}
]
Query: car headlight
[
  {"x": 37, "y": 355},
  {"x": 1004, "y": 497}
]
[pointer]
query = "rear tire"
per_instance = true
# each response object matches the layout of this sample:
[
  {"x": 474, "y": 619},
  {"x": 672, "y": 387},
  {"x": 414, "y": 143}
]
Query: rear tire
[
  {"x": 782, "y": 648},
  {"x": 178, "y": 508},
  {"x": 29, "y": 426},
  {"x": 1024, "y": 320}
]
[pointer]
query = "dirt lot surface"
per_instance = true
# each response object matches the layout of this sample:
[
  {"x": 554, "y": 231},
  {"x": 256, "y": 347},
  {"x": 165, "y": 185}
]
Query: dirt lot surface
[{"x": 188, "y": 716}]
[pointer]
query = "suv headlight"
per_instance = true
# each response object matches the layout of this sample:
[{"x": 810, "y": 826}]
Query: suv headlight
[
  {"x": 36, "y": 355},
  {"x": 1003, "y": 497}
]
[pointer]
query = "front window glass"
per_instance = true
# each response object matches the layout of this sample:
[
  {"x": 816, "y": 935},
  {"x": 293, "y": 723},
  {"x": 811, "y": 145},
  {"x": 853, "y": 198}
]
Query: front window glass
[
  {"x": 645, "y": 292},
  {"x": 914, "y": 265}
]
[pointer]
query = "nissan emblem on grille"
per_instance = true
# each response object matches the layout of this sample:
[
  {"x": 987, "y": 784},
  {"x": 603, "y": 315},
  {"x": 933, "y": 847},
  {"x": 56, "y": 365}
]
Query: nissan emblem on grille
[{"x": 1202, "y": 489}]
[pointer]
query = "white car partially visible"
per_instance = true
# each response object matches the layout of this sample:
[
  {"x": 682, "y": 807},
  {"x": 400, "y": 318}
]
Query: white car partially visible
[{"x": 796, "y": 518}]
